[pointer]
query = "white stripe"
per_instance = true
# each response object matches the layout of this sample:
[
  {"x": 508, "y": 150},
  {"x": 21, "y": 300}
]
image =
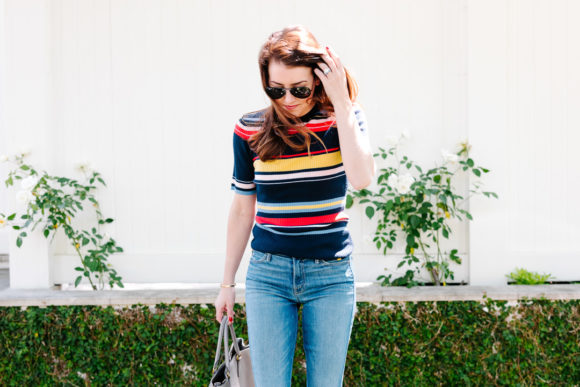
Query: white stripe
[
  {"x": 297, "y": 175},
  {"x": 243, "y": 185},
  {"x": 300, "y": 181},
  {"x": 308, "y": 226}
]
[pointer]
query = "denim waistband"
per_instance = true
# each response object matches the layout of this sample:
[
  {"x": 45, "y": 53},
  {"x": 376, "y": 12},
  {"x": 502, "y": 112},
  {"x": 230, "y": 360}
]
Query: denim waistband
[{"x": 301, "y": 258}]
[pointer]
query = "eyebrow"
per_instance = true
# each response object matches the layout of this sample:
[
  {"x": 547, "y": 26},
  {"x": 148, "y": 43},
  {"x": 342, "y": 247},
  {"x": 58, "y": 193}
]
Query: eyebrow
[{"x": 292, "y": 84}]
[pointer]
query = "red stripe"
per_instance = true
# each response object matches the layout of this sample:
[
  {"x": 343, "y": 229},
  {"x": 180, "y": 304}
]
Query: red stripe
[
  {"x": 245, "y": 134},
  {"x": 301, "y": 154},
  {"x": 318, "y": 127},
  {"x": 305, "y": 221}
]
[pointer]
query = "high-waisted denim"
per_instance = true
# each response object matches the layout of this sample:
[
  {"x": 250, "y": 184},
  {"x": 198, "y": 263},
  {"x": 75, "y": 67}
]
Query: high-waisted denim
[{"x": 276, "y": 285}]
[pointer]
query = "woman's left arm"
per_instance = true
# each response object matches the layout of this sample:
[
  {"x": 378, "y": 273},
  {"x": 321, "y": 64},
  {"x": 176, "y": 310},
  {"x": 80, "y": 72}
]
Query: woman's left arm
[{"x": 355, "y": 147}]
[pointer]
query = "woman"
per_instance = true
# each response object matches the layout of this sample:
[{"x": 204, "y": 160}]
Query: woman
[{"x": 292, "y": 160}]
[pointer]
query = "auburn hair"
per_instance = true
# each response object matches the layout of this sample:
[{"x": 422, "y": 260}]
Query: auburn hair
[{"x": 293, "y": 46}]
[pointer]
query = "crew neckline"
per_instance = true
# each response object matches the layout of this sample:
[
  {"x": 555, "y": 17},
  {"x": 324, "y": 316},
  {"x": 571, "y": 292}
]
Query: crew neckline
[{"x": 309, "y": 115}]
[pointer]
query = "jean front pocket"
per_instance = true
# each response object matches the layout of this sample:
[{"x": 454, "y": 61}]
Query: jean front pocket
[
  {"x": 259, "y": 256},
  {"x": 334, "y": 261}
]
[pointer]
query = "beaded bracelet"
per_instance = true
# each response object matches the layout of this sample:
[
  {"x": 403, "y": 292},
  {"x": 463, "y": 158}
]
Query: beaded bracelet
[{"x": 228, "y": 285}]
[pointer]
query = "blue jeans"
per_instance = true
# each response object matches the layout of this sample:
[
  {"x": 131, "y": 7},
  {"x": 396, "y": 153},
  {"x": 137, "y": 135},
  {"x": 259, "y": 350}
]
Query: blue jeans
[{"x": 276, "y": 285}]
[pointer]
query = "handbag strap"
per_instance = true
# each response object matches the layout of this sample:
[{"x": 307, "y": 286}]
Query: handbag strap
[
  {"x": 219, "y": 343},
  {"x": 235, "y": 339},
  {"x": 223, "y": 334}
]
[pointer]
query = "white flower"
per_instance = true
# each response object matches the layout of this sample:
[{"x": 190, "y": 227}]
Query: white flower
[
  {"x": 2, "y": 221},
  {"x": 392, "y": 141},
  {"x": 24, "y": 196},
  {"x": 23, "y": 151},
  {"x": 450, "y": 158},
  {"x": 401, "y": 183},
  {"x": 404, "y": 183},
  {"x": 84, "y": 166},
  {"x": 29, "y": 182},
  {"x": 4, "y": 158}
]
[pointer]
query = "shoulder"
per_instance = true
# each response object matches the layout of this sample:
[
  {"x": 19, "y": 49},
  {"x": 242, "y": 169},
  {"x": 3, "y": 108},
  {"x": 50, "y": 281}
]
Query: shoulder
[
  {"x": 253, "y": 118},
  {"x": 249, "y": 123}
]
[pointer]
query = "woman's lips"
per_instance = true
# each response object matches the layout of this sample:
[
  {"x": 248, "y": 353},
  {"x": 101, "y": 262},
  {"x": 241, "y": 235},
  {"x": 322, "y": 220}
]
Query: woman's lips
[{"x": 290, "y": 106}]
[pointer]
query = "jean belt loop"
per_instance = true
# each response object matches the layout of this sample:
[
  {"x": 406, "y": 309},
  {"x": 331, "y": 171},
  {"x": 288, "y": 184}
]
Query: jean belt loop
[{"x": 268, "y": 257}]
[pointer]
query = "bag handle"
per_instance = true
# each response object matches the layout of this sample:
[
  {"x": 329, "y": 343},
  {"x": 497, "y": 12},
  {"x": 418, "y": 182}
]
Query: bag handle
[
  {"x": 235, "y": 340},
  {"x": 223, "y": 334},
  {"x": 219, "y": 343}
]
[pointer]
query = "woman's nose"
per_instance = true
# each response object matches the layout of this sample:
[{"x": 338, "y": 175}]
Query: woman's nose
[{"x": 288, "y": 98}]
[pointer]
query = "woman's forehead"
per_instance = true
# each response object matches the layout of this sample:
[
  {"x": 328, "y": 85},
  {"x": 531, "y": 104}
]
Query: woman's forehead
[{"x": 288, "y": 75}]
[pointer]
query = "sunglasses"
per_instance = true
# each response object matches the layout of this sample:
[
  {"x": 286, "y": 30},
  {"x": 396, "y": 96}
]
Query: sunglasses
[{"x": 298, "y": 92}]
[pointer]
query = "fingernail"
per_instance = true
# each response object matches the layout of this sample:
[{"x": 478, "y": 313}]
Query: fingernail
[
  {"x": 327, "y": 47},
  {"x": 231, "y": 319}
]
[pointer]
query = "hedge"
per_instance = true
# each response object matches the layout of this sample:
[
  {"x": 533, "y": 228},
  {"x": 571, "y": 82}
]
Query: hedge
[{"x": 487, "y": 342}]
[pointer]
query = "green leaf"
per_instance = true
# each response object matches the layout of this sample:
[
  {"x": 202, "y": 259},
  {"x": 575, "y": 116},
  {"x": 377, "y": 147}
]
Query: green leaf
[
  {"x": 477, "y": 172},
  {"x": 78, "y": 280},
  {"x": 415, "y": 220},
  {"x": 470, "y": 162},
  {"x": 437, "y": 178},
  {"x": 349, "y": 201},
  {"x": 18, "y": 241},
  {"x": 370, "y": 211}
]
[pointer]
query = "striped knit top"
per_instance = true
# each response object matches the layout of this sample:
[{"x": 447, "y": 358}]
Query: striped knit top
[{"x": 300, "y": 199}]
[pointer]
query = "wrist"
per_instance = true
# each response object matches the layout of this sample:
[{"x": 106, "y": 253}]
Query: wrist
[{"x": 344, "y": 105}]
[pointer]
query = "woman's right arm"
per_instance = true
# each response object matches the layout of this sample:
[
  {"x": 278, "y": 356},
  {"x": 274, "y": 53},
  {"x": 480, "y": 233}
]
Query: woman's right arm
[{"x": 240, "y": 222}]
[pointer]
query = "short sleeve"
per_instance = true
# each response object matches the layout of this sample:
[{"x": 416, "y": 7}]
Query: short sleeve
[
  {"x": 361, "y": 118},
  {"x": 243, "y": 174}
]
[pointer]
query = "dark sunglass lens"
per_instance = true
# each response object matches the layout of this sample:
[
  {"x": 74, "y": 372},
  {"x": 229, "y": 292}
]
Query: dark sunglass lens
[
  {"x": 300, "y": 92},
  {"x": 275, "y": 92}
]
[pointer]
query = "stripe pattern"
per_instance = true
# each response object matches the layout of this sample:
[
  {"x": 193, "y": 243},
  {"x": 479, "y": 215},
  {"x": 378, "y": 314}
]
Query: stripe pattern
[{"x": 300, "y": 198}]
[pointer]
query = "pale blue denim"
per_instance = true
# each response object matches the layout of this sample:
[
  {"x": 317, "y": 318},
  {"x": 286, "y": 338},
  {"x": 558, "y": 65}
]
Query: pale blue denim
[{"x": 276, "y": 285}]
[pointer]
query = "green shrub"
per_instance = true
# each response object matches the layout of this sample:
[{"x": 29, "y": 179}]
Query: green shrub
[
  {"x": 534, "y": 342},
  {"x": 524, "y": 277}
]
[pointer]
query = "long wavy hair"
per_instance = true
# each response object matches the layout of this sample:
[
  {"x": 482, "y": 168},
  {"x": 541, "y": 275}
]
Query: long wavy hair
[{"x": 293, "y": 46}]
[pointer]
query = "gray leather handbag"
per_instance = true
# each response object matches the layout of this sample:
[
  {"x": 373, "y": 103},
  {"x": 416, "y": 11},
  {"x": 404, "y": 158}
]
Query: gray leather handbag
[{"x": 236, "y": 369}]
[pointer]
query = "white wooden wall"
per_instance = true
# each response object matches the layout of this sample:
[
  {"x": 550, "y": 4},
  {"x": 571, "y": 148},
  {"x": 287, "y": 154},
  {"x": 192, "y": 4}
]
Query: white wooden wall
[{"x": 149, "y": 91}]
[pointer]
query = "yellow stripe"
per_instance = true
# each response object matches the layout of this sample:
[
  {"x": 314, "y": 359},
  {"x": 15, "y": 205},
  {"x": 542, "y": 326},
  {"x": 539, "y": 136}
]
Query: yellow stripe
[
  {"x": 298, "y": 163},
  {"x": 299, "y": 207}
]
